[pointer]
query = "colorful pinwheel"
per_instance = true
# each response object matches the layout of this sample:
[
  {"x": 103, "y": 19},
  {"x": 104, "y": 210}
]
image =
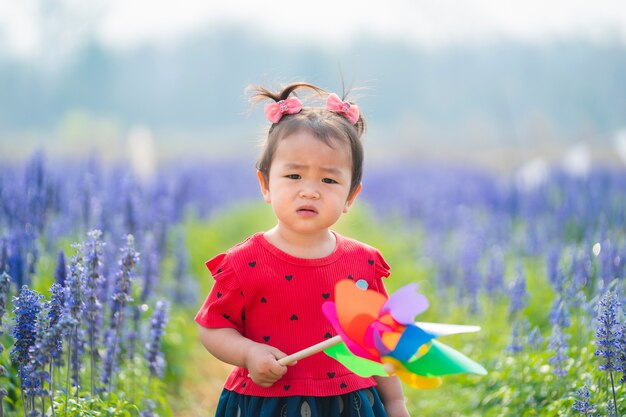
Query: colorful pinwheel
[{"x": 378, "y": 336}]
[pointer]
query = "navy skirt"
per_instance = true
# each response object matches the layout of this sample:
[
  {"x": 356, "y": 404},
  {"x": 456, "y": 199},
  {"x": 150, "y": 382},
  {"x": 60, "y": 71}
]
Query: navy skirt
[{"x": 361, "y": 403}]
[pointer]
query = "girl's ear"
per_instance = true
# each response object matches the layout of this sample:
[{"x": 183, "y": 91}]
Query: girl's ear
[
  {"x": 351, "y": 198},
  {"x": 265, "y": 189}
]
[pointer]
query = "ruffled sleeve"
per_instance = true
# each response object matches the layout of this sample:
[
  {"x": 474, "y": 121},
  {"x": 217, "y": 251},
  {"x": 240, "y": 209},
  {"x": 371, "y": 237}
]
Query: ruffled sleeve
[
  {"x": 381, "y": 266},
  {"x": 381, "y": 270},
  {"x": 224, "y": 306}
]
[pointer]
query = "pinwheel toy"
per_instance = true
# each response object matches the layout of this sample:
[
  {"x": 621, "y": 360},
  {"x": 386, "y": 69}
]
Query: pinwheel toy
[{"x": 378, "y": 336}]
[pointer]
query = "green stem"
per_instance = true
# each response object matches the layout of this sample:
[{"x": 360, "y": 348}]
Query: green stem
[
  {"x": 92, "y": 362},
  {"x": 69, "y": 370},
  {"x": 613, "y": 390},
  {"x": 51, "y": 370},
  {"x": 118, "y": 324},
  {"x": 25, "y": 406},
  {"x": 43, "y": 399}
]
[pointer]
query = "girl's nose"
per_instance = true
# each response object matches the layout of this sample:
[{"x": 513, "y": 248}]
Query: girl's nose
[{"x": 309, "y": 192}]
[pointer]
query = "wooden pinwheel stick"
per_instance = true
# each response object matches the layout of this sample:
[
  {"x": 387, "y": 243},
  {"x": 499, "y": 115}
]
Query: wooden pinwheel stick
[
  {"x": 437, "y": 329},
  {"x": 311, "y": 350}
]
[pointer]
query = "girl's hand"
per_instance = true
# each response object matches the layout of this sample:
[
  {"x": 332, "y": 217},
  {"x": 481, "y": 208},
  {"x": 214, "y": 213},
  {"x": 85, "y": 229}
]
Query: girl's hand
[
  {"x": 262, "y": 364},
  {"x": 390, "y": 391},
  {"x": 396, "y": 409}
]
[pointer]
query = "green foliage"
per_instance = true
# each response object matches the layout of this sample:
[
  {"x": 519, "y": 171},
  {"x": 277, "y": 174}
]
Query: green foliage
[
  {"x": 181, "y": 332},
  {"x": 521, "y": 384},
  {"x": 84, "y": 405},
  {"x": 206, "y": 239}
]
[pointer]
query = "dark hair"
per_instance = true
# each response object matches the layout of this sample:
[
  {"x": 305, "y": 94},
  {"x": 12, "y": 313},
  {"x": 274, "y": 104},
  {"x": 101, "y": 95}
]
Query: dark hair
[{"x": 325, "y": 125}]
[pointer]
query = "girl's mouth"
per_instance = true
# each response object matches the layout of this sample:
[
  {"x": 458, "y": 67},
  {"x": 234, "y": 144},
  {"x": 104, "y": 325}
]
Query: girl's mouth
[{"x": 306, "y": 211}]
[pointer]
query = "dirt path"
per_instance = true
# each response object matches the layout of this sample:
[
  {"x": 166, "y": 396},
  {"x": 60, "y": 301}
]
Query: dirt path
[{"x": 201, "y": 390}]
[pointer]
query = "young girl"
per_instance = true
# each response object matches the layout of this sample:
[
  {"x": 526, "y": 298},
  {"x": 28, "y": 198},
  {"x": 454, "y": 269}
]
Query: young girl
[{"x": 268, "y": 294}]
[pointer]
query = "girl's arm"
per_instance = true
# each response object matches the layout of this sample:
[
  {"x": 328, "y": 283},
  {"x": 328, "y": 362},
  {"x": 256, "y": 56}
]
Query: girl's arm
[
  {"x": 229, "y": 346},
  {"x": 390, "y": 391}
]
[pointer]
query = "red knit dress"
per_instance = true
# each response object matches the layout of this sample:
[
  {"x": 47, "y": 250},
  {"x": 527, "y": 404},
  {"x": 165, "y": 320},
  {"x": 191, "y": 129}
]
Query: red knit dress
[{"x": 272, "y": 297}]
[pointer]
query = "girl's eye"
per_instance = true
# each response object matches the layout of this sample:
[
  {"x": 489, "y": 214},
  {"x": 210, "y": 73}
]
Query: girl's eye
[
  {"x": 293, "y": 176},
  {"x": 329, "y": 181}
]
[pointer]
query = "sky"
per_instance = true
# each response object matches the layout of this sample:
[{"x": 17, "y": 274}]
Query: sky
[{"x": 27, "y": 27}]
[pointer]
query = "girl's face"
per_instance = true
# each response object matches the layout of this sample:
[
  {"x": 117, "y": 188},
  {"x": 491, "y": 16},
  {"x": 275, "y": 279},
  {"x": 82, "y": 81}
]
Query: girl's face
[{"x": 309, "y": 183}]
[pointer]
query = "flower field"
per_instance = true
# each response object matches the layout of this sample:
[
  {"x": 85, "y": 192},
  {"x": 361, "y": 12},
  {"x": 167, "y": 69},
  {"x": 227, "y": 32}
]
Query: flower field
[{"x": 102, "y": 274}]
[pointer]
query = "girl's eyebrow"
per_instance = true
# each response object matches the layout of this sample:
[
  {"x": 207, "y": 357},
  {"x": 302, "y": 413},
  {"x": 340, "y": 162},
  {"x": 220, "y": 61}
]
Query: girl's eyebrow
[
  {"x": 330, "y": 169},
  {"x": 293, "y": 165}
]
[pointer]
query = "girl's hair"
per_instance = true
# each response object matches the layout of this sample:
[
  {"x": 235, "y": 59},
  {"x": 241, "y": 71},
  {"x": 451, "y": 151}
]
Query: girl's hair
[{"x": 327, "y": 126}]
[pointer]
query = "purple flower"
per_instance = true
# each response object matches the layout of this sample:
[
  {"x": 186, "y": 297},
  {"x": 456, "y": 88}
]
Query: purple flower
[
  {"x": 72, "y": 318},
  {"x": 153, "y": 354},
  {"x": 559, "y": 313},
  {"x": 495, "y": 273},
  {"x": 4, "y": 256},
  {"x": 534, "y": 338},
  {"x": 5, "y": 287},
  {"x": 558, "y": 345},
  {"x": 92, "y": 281},
  {"x": 131, "y": 202},
  {"x": 186, "y": 288},
  {"x": 554, "y": 271},
  {"x": 40, "y": 352},
  {"x": 150, "y": 267},
  {"x": 16, "y": 262},
  {"x": 123, "y": 283},
  {"x": 607, "y": 332},
  {"x": 581, "y": 404},
  {"x": 518, "y": 295},
  {"x": 74, "y": 301},
  {"x": 469, "y": 257},
  {"x": 621, "y": 357},
  {"x": 607, "y": 337},
  {"x": 517, "y": 338},
  {"x": 133, "y": 333},
  {"x": 109, "y": 363},
  {"x": 121, "y": 297},
  {"x": 55, "y": 331},
  {"x": 30, "y": 383},
  {"x": 37, "y": 192},
  {"x": 148, "y": 411},
  {"x": 26, "y": 307},
  {"x": 60, "y": 272}
]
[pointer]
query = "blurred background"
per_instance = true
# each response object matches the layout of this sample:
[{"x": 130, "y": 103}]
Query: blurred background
[
  {"x": 495, "y": 176},
  {"x": 504, "y": 85}
]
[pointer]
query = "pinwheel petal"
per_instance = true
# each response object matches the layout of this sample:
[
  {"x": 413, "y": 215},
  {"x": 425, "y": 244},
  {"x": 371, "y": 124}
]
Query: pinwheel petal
[
  {"x": 382, "y": 348},
  {"x": 443, "y": 360},
  {"x": 405, "y": 304},
  {"x": 359, "y": 366},
  {"x": 419, "y": 382},
  {"x": 412, "y": 338},
  {"x": 351, "y": 301},
  {"x": 328, "y": 308},
  {"x": 439, "y": 329},
  {"x": 357, "y": 330},
  {"x": 416, "y": 381}
]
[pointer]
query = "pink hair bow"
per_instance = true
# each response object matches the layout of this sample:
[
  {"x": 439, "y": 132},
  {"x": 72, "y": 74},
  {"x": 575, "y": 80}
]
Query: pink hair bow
[
  {"x": 274, "y": 111},
  {"x": 347, "y": 110}
]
